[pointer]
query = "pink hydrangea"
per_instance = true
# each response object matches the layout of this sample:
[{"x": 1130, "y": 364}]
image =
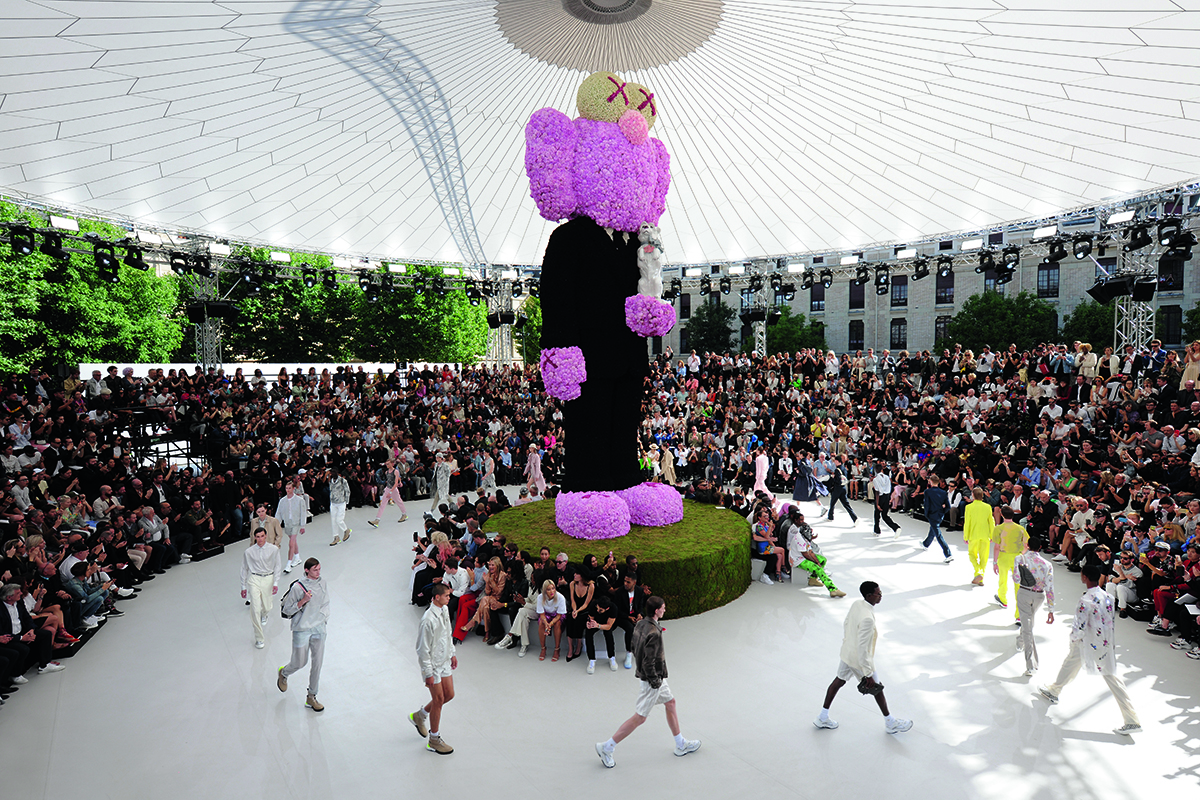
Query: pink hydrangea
[
  {"x": 649, "y": 316},
  {"x": 653, "y": 504},
  {"x": 591, "y": 515},
  {"x": 563, "y": 370}
]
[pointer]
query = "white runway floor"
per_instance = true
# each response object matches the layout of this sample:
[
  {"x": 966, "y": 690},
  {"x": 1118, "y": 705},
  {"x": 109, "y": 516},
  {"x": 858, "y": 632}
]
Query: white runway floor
[{"x": 173, "y": 701}]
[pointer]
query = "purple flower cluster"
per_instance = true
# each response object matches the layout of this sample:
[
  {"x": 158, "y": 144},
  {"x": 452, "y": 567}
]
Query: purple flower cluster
[
  {"x": 590, "y": 168},
  {"x": 649, "y": 316},
  {"x": 653, "y": 504},
  {"x": 563, "y": 369},
  {"x": 591, "y": 515}
]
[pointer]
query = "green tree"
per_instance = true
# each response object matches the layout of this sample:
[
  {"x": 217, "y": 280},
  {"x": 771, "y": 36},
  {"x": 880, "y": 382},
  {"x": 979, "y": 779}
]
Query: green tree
[
  {"x": 63, "y": 311},
  {"x": 998, "y": 320},
  {"x": 1090, "y": 322},
  {"x": 792, "y": 332},
  {"x": 710, "y": 328},
  {"x": 1191, "y": 324},
  {"x": 527, "y": 342}
]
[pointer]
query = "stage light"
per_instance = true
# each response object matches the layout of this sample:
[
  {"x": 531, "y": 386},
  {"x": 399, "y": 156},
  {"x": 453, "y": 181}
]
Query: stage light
[
  {"x": 179, "y": 263},
  {"x": 920, "y": 269},
  {"x": 1082, "y": 246},
  {"x": 725, "y": 285},
  {"x": 906, "y": 253},
  {"x": 521, "y": 320},
  {"x": 20, "y": 239},
  {"x": 756, "y": 283},
  {"x": 493, "y": 320},
  {"x": 364, "y": 279},
  {"x": 387, "y": 284},
  {"x": 1045, "y": 232},
  {"x": 438, "y": 286},
  {"x": 418, "y": 284},
  {"x": 219, "y": 248},
  {"x": 849, "y": 261},
  {"x": 372, "y": 293},
  {"x": 534, "y": 287},
  {"x": 882, "y": 276},
  {"x": 105, "y": 259},
  {"x": 1121, "y": 217},
  {"x": 329, "y": 278},
  {"x": 737, "y": 269},
  {"x": 308, "y": 275},
  {"x": 1056, "y": 251},
  {"x": 807, "y": 281},
  {"x": 945, "y": 266},
  {"x": 1010, "y": 256},
  {"x": 773, "y": 316},
  {"x": 471, "y": 288},
  {"x": 1168, "y": 229},
  {"x": 693, "y": 272},
  {"x": 517, "y": 289},
  {"x": 861, "y": 276},
  {"x": 705, "y": 286},
  {"x": 675, "y": 289},
  {"x": 986, "y": 261},
  {"x": 776, "y": 282},
  {"x": 134, "y": 258},
  {"x": 1004, "y": 275},
  {"x": 52, "y": 245},
  {"x": 65, "y": 224},
  {"x": 507, "y": 318},
  {"x": 1143, "y": 289},
  {"x": 509, "y": 275},
  {"x": 795, "y": 269},
  {"x": 970, "y": 244},
  {"x": 781, "y": 263},
  {"x": 1139, "y": 237},
  {"x": 789, "y": 291},
  {"x": 826, "y": 278}
]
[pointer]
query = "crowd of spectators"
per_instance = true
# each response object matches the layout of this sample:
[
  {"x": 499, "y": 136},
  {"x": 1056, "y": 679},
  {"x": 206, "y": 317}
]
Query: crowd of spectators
[{"x": 1094, "y": 453}]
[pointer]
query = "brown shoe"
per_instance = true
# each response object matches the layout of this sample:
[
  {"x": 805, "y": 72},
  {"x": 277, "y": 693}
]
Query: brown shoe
[
  {"x": 836, "y": 593},
  {"x": 813, "y": 581},
  {"x": 418, "y": 720},
  {"x": 438, "y": 745},
  {"x": 977, "y": 580},
  {"x": 282, "y": 682},
  {"x": 313, "y": 703}
]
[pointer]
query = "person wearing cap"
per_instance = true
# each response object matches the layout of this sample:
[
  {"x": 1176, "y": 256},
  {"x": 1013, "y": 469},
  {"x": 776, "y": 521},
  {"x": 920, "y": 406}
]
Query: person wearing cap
[
  {"x": 1093, "y": 643},
  {"x": 1122, "y": 584}
]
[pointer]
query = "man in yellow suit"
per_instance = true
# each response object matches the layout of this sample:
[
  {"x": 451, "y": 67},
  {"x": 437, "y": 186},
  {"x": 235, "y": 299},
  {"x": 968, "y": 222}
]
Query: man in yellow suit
[
  {"x": 1008, "y": 542},
  {"x": 977, "y": 533}
]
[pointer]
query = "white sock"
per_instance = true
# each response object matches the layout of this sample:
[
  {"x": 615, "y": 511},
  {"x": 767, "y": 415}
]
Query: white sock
[
  {"x": 612, "y": 659},
  {"x": 434, "y": 735},
  {"x": 591, "y": 662},
  {"x": 422, "y": 713},
  {"x": 609, "y": 746},
  {"x": 824, "y": 714},
  {"x": 679, "y": 740},
  {"x": 889, "y": 719}
]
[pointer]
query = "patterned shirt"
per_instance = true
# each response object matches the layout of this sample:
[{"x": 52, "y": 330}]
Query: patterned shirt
[
  {"x": 1043, "y": 574},
  {"x": 1093, "y": 631}
]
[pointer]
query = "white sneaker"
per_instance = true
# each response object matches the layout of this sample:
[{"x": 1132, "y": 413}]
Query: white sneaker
[
  {"x": 260, "y": 644},
  {"x": 91, "y": 623},
  {"x": 1194, "y": 652},
  {"x": 629, "y": 661},
  {"x": 53, "y": 666},
  {"x": 765, "y": 579},
  {"x": 1180, "y": 644},
  {"x": 20, "y": 679},
  {"x": 825, "y": 723},
  {"x": 689, "y": 746},
  {"x": 1128, "y": 729},
  {"x": 1048, "y": 695},
  {"x": 898, "y": 725},
  {"x": 126, "y": 592},
  {"x": 591, "y": 670},
  {"x": 185, "y": 559},
  {"x": 505, "y": 642},
  {"x": 288, "y": 568},
  {"x": 606, "y": 757},
  {"x": 263, "y": 619},
  {"x": 1028, "y": 673},
  {"x": 948, "y": 559},
  {"x": 524, "y": 649},
  {"x": 612, "y": 662}
]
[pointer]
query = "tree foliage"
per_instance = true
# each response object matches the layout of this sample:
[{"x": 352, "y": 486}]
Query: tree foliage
[
  {"x": 792, "y": 332},
  {"x": 1191, "y": 324},
  {"x": 64, "y": 312},
  {"x": 999, "y": 320},
  {"x": 1090, "y": 322},
  {"x": 710, "y": 328}
]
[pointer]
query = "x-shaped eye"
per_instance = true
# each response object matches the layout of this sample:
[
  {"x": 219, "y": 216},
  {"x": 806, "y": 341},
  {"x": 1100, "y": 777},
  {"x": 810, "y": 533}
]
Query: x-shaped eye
[
  {"x": 649, "y": 101},
  {"x": 620, "y": 90}
]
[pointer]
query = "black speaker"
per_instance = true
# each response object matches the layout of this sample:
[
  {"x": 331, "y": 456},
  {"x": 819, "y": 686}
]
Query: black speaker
[
  {"x": 216, "y": 310},
  {"x": 1143, "y": 289}
]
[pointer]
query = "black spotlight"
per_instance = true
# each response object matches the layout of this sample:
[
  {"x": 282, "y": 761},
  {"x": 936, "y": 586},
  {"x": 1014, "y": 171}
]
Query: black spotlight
[
  {"x": 987, "y": 260},
  {"x": 1056, "y": 251},
  {"x": 1139, "y": 237},
  {"x": 705, "y": 286},
  {"x": 789, "y": 291},
  {"x": 202, "y": 266},
  {"x": 725, "y": 285},
  {"x": 418, "y": 284},
  {"x": 52, "y": 245},
  {"x": 517, "y": 289},
  {"x": 534, "y": 287},
  {"x": 945, "y": 266},
  {"x": 827, "y": 278},
  {"x": 308, "y": 275},
  {"x": 774, "y": 316},
  {"x": 507, "y": 318},
  {"x": 1010, "y": 256},
  {"x": 1082, "y": 246},
  {"x": 1168, "y": 229},
  {"x": 387, "y": 284},
  {"x": 473, "y": 292},
  {"x": 330, "y": 280},
  {"x": 776, "y": 282},
  {"x": 756, "y": 283},
  {"x": 364, "y": 279},
  {"x": 1004, "y": 275},
  {"x": 861, "y": 276},
  {"x": 920, "y": 269},
  {"x": 807, "y": 281},
  {"x": 179, "y": 263},
  {"x": 134, "y": 258},
  {"x": 20, "y": 239},
  {"x": 521, "y": 320},
  {"x": 105, "y": 259},
  {"x": 372, "y": 292},
  {"x": 439, "y": 287}
]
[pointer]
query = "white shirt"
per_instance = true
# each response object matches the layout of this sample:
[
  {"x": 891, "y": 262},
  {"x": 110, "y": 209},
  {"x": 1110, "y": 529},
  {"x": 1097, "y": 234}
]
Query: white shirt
[
  {"x": 261, "y": 561},
  {"x": 15, "y": 616},
  {"x": 882, "y": 484}
]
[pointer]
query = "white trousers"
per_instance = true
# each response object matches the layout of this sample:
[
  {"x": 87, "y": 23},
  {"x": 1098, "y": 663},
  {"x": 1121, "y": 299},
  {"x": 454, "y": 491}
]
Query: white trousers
[
  {"x": 337, "y": 518},
  {"x": 1070, "y": 669},
  {"x": 258, "y": 588}
]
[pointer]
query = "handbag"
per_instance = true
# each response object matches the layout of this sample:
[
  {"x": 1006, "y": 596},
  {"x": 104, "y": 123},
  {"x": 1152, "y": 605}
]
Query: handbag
[{"x": 868, "y": 686}]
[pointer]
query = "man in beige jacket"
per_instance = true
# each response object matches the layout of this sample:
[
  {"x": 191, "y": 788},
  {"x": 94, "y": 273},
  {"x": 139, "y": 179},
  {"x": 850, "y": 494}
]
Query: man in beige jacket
[{"x": 858, "y": 660}]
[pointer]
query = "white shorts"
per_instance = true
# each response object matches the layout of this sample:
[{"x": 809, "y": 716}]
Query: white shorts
[
  {"x": 847, "y": 674},
  {"x": 444, "y": 671},
  {"x": 649, "y": 697}
]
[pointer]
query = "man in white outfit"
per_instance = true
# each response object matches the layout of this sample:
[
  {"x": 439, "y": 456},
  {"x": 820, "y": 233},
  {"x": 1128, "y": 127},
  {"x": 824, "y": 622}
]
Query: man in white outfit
[
  {"x": 261, "y": 568},
  {"x": 437, "y": 659},
  {"x": 1093, "y": 641},
  {"x": 291, "y": 512},
  {"x": 339, "y": 495},
  {"x": 858, "y": 660}
]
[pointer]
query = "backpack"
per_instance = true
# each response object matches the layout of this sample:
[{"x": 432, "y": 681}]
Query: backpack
[{"x": 283, "y": 613}]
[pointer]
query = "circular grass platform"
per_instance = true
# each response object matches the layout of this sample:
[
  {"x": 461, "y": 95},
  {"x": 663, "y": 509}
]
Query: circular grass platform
[{"x": 699, "y": 563}]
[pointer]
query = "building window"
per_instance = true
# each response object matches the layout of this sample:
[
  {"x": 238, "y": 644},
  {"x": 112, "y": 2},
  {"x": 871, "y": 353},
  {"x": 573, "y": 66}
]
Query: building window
[
  {"x": 858, "y": 296},
  {"x": 747, "y": 298},
  {"x": 1105, "y": 266},
  {"x": 780, "y": 298},
  {"x": 714, "y": 298},
  {"x": 1172, "y": 325},
  {"x": 945, "y": 289},
  {"x": 941, "y": 328},
  {"x": 989, "y": 282},
  {"x": 683, "y": 340},
  {"x": 818, "y": 298},
  {"x": 856, "y": 334},
  {"x": 1048, "y": 280},
  {"x": 1170, "y": 274},
  {"x": 656, "y": 343},
  {"x": 685, "y": 306},
  {"x": 899, "y": 334},
  {"x": 899, "y": 291}
]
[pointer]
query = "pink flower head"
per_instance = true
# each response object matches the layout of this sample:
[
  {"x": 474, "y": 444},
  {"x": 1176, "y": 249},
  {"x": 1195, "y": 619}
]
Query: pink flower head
[
  {"x": 634, "y": 126},
  {"x": 591, "y": 515},
  {"x": 649, "y": 316},
  {"x": 563, "y": 370},
  {"x": 653, "y": 504}
]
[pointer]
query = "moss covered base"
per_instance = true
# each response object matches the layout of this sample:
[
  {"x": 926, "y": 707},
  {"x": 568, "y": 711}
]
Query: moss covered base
[{"x": 700, "y": 563}]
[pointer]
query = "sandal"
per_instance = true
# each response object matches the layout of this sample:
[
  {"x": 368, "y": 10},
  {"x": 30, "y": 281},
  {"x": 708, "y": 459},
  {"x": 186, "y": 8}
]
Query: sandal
[
  {"x": 555, "y": 658},
  {"x": 542, "y": 655}
]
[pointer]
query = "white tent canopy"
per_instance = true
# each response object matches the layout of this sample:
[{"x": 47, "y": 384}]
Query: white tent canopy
[{"x": 395, "y": 129}]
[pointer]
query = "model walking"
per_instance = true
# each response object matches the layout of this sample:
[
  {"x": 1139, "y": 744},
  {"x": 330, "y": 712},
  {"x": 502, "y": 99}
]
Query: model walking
[
  {"x": 391, "y": 491},
  {"x": 306, "y": 603},
  {"x": 339, "y": 496},
  {"x": 652, "y": 671},
  {"x": 437, "y": 659},
  {"x": 261, "y": 568},
  {"x": 1034, "y": 577},
  {"x": 978, "y": 523}
]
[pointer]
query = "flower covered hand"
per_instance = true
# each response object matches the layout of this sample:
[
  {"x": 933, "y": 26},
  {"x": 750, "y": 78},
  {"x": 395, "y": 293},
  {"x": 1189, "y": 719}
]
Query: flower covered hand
[
  {"x": 563, "y": 370},
  {"x": 649, "y": 316}
]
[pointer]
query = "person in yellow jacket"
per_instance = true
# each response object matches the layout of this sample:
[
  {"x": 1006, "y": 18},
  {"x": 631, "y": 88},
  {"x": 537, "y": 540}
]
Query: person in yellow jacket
[
  {"x": 977, "y": 533},
  {"x": 1008, "y": 542}
]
